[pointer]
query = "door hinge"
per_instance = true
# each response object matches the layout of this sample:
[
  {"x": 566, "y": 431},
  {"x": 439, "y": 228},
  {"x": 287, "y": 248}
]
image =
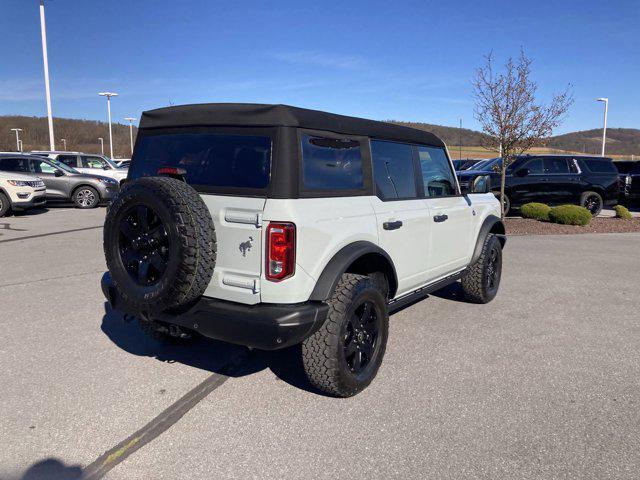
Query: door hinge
[{"x": 248, "y": 218}]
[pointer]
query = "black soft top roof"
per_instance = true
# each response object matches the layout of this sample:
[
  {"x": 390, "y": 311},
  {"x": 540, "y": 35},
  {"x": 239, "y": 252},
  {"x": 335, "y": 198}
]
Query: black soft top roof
[{"x": 261, "y": 115}]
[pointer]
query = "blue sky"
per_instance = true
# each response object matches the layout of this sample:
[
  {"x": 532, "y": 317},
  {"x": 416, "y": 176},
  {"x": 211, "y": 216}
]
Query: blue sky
[{"x": 406, "y": 60}]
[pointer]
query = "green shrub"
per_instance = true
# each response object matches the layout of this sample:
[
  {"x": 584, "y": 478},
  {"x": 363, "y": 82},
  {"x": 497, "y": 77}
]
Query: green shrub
[
  {"x": 570, "y": 215},
  {"x": 537, "y": 211},
  {"x": 622, "y": 212}
]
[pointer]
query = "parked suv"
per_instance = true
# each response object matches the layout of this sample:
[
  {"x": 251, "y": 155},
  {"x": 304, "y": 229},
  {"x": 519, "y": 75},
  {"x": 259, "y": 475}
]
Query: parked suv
[
  {"x": 20, "y": 192},
  {"x": 552, "y": 179},
  {"x": 632, "y": 183},
  {"x": 64, "y": 184},
  {"x": 88, "y": 163},
  {"x": 271, "y": 226}
]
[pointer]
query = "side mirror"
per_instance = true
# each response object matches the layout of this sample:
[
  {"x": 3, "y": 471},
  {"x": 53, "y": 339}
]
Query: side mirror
[
  {"x": 58, "y": 173},
  {"x": 481, "y": 184},
  {"x": 106, "y": 167},
  {"x": 523, "y": 172}
]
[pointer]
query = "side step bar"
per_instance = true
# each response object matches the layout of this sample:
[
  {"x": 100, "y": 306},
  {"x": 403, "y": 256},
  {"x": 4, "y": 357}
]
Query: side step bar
[{"x": 409, "y": 298}]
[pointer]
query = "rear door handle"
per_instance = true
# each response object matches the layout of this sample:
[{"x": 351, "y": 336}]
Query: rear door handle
[
  {"x": 392, "y": 225},
  {"x": 440, "y": 218}
]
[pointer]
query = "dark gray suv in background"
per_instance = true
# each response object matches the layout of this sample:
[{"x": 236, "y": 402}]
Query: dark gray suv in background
[{"x": 64, "y": 184}]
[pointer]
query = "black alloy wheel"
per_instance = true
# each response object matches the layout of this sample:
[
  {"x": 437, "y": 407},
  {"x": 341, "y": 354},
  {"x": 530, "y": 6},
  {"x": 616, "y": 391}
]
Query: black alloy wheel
[
  {"x": 360, "y": 338},
  {"x": 144, "y": 245},
  {"x": 493, "y": 268},
  {"x": 593, "y": 203}
]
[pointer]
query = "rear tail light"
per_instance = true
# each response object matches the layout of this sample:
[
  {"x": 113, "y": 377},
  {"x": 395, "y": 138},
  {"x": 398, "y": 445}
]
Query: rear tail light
[{"x": 280, "y": 251}]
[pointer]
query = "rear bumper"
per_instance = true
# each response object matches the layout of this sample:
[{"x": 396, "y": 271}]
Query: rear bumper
[{"x": 262, "y": 326}]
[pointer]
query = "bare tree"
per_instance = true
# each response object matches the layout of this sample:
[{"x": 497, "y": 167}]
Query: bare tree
[{"x": 507, "y": 109}]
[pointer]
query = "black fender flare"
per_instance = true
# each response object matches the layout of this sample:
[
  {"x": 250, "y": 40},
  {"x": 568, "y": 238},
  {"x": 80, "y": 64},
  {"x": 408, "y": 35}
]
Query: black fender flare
[
  {"x": 491, "y": 224},
  {"x": 332, "y": 272}
]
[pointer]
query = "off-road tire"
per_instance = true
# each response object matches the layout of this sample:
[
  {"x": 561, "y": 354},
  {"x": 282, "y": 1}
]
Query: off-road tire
[
  {"x": 587, "y": 197},
  {"x": 5, "y": 205},
  {"x": 475, "y": 282},
  {"x": 322, "y": 353},
  {"x": 192, "y": 239},
  {"x": 77, "y": 200}
]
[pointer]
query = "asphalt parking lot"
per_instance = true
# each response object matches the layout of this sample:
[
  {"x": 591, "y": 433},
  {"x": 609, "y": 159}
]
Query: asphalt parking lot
[{"x": 544, "y": 382}]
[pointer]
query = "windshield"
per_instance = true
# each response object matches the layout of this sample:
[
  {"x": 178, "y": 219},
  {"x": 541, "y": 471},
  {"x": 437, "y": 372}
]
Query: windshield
[
  {"x": 63, "y": 166},
  {"x": 487, "y": 165},
  {"x": 110, "y": 162}
]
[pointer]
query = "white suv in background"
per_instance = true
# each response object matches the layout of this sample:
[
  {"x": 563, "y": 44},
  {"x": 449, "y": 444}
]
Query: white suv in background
[
  {"x": 273, "y": 226},
  {"x": 20, "y": 192},
  {"x": 88, "y": 163}
]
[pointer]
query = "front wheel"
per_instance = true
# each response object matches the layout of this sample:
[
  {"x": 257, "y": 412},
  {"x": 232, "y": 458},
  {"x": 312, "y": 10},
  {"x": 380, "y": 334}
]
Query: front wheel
[
  {"x": 481, "y": 280},
  {"x": 344, "y": 355},
  {"x": 5, "y": 206},
  {"x": 86, "y": 197}
]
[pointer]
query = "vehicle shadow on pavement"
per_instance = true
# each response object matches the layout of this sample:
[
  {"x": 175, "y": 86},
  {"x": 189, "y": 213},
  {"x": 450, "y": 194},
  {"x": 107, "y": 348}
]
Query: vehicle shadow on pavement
[
  {"x": 451, "y": 292},
  {"x": 206, "y": 354},
  {"x": 52, "y": 469}
]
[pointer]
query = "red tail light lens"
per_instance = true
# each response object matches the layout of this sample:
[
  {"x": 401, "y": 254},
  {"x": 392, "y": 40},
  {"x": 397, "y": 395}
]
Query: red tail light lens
[{"x": 281, "y": 251}]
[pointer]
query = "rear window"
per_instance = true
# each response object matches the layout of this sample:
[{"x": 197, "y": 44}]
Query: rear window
[
  {"x": 331, "y": 163},
  {"x": 216, "y": 160},
  {"x": 600, "y": 166}
]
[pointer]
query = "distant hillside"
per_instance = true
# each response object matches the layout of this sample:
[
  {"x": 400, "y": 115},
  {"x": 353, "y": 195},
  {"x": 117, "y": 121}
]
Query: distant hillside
[
  {"x": 450, "y": 135},
  {"x": 81, "y": 135},
  {"x": 620, "y": 141}
]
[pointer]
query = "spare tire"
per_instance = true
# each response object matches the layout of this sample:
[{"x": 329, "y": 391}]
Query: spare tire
[{"x": 159, "y": 244}]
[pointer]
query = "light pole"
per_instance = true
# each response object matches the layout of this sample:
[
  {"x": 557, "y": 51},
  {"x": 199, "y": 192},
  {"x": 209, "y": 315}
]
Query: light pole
[
  {"x": 43, "y": 31},
  {"x": 460, "y": 142},
  {"x": 20, "y": 142},
  {"x": 109, "y": 95},
  {"x": 64, "y": 142},
  {"x": 17, "y": 130},
  {"x": 131, "y": 119},
  {"x": 604, "y": 130},
  {"x": 101, "y": 145}
]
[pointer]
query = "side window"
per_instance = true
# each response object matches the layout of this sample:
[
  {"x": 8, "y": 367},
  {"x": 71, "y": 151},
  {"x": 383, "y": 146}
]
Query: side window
[
  {"x": 70, "y": 160},
  {"x": 393, "y": 170},
  {"x": 600, "y": 166},
  {"x": 534, "y": 166},
  {"x": 92, "y": 162},
  {"x": 556, "y": 166},
  {"x": 331, "y": 163},
  {"x": 437, "y": 176},
  {"x": 42, "y": 167},
  {"x": 14, "y": 165}
]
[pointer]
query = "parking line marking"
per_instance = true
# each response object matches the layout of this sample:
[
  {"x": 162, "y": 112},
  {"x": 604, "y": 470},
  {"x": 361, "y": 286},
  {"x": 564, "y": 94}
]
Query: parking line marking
[
  {"x": 160, "y": 424},
  {"x": 51, "y": 233}
]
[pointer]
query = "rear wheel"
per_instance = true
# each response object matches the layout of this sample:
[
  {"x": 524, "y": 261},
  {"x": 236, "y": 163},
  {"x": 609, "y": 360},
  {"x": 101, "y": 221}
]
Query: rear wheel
[
  {"x": 344, "y": 355},
  {"x": 86, "y": 197},
  {"x": 592, "y": 201},
  {"x": 5, "y": 205}
]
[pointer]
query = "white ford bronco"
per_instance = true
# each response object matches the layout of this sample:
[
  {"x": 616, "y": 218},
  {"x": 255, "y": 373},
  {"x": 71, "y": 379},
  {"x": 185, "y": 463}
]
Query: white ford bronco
[{"x": 272, "y": 226}]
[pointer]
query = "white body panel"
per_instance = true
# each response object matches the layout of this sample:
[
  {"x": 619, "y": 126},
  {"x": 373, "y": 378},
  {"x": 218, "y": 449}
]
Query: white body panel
[
  {"x": 323, "y": 227},
  {"x": 423, "y": 251},
  {"x": 239, "y": 261},
  {"x": 408, "y": 246}
]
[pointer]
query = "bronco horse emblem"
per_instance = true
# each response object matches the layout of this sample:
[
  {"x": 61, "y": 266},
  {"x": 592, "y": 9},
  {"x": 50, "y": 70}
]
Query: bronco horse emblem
[{"x": 246, "y": 246}]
